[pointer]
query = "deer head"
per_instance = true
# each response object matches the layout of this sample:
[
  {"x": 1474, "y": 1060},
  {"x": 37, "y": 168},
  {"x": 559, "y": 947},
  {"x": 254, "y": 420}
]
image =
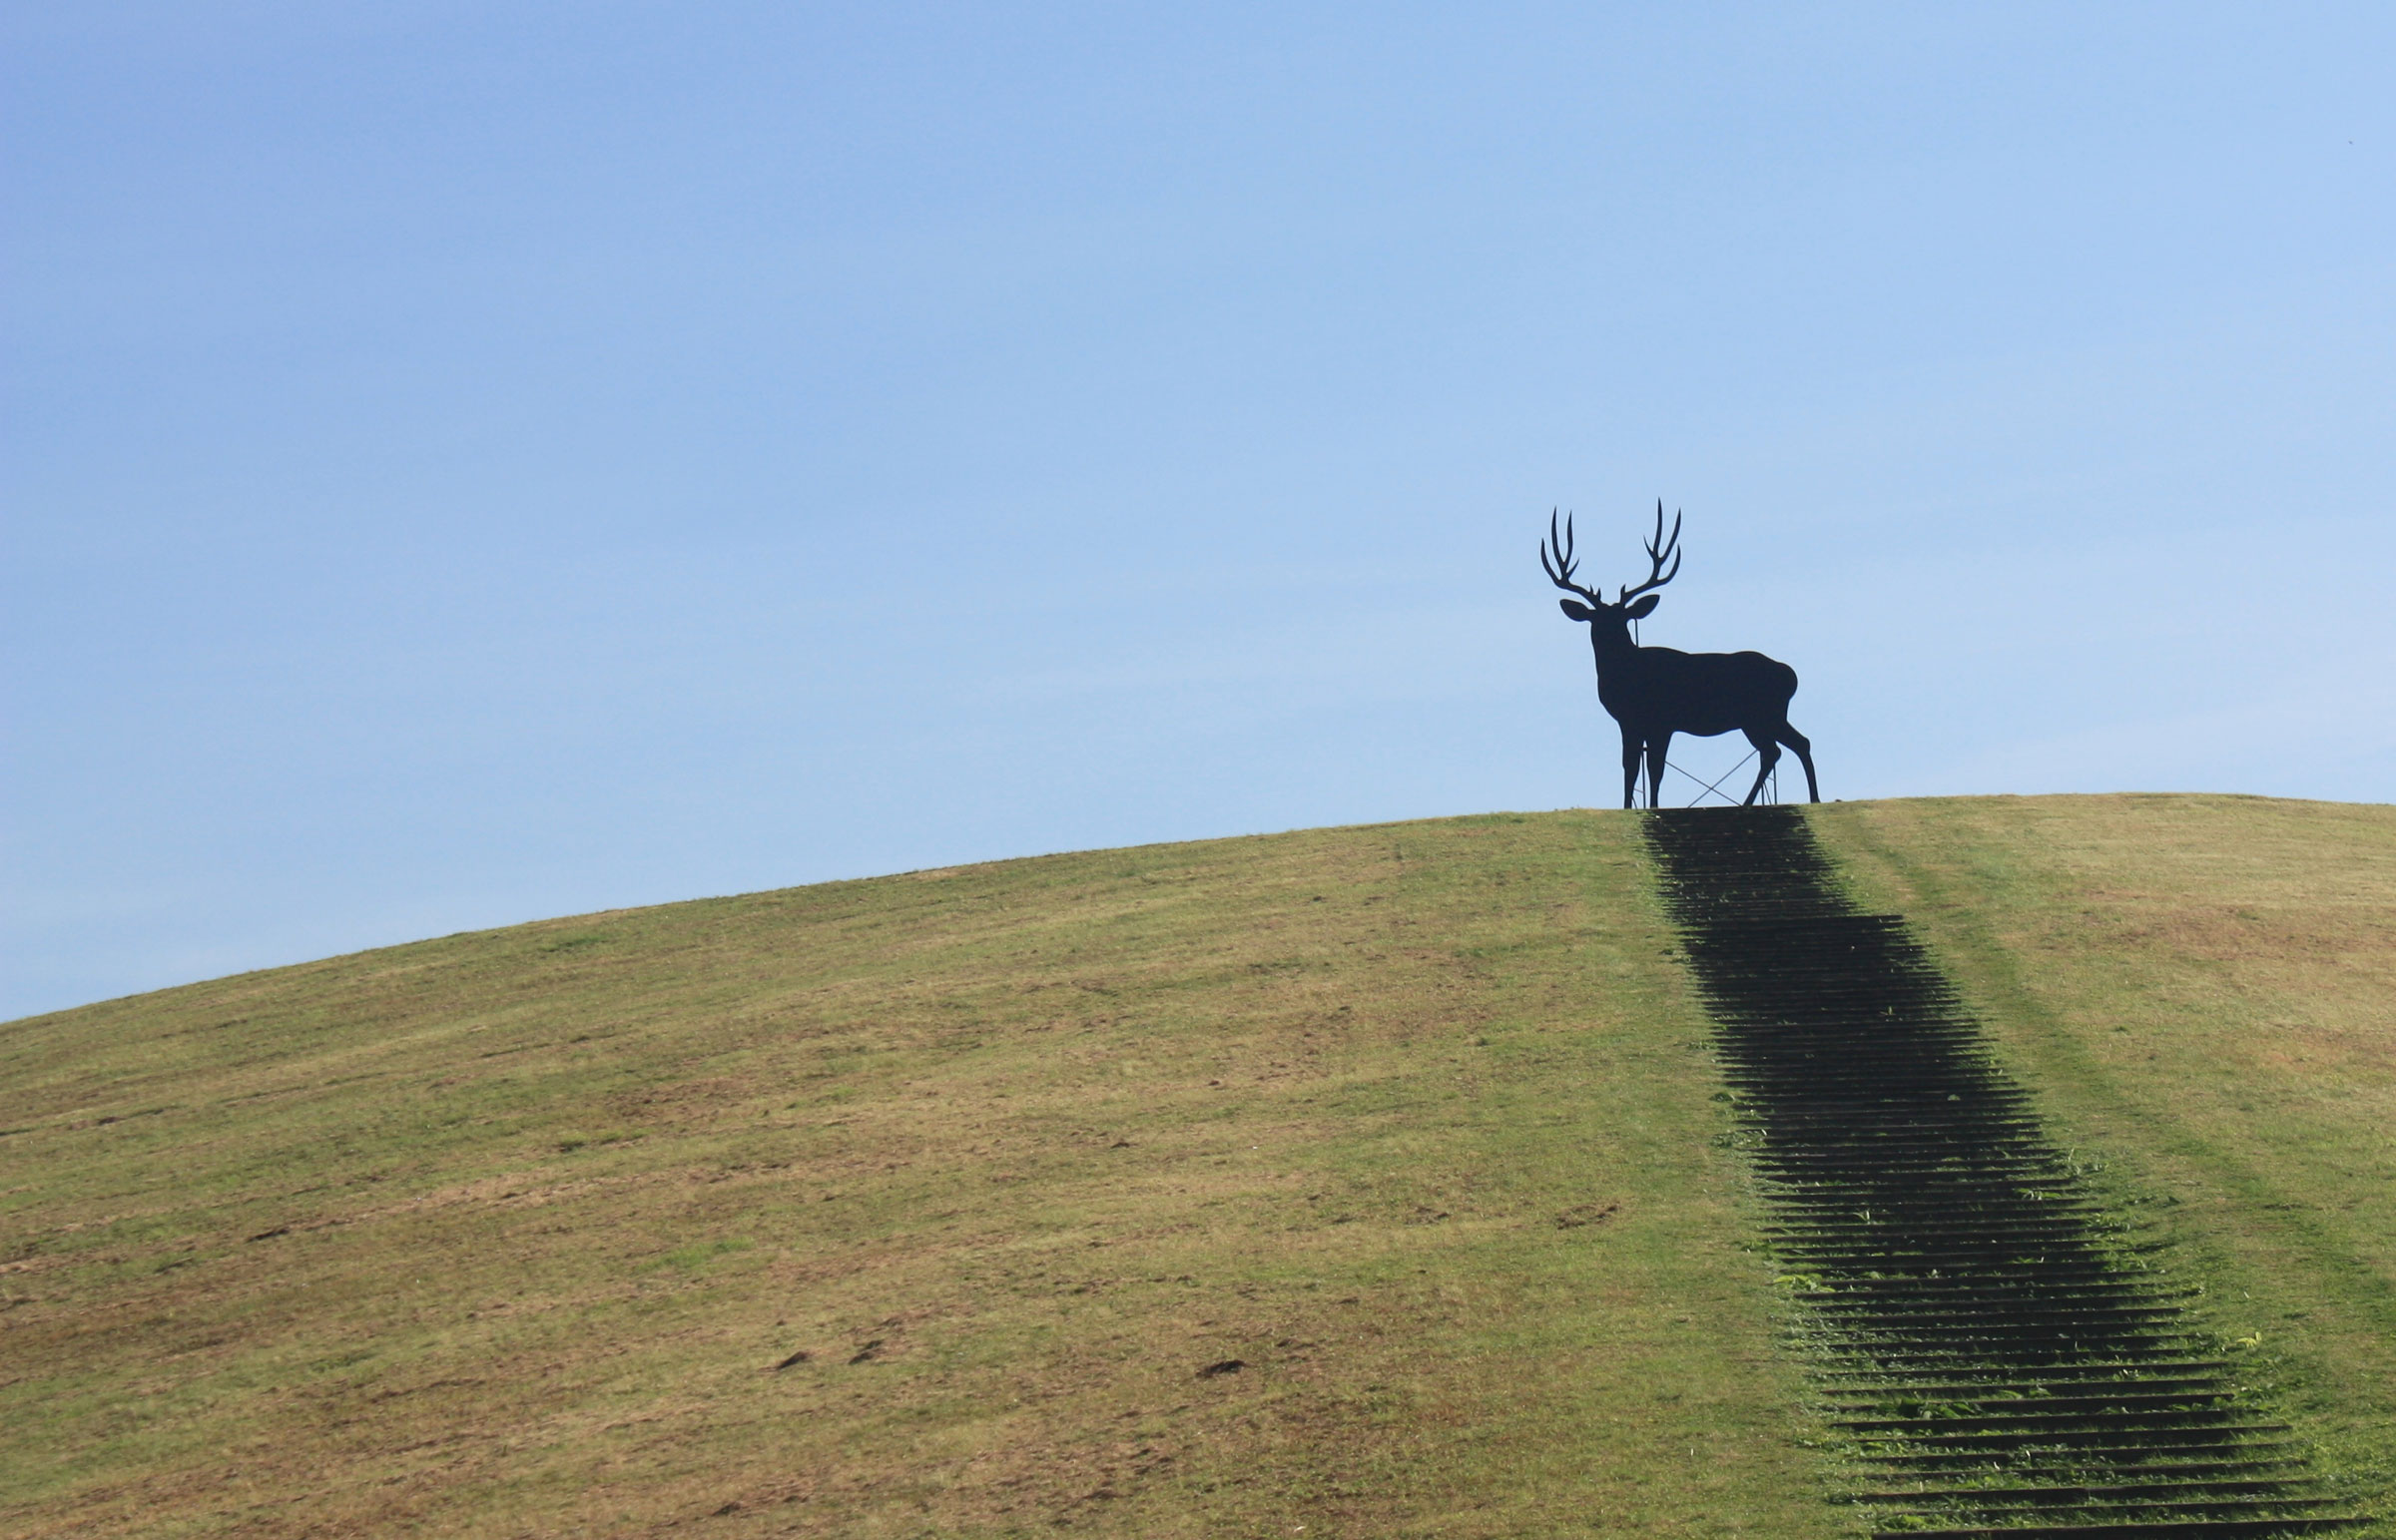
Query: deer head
[{"x": 1630, "y": 605}]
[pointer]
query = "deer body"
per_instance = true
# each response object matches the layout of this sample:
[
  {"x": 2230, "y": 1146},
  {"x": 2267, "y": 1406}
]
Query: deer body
[{"x": 1654, "y": 693}]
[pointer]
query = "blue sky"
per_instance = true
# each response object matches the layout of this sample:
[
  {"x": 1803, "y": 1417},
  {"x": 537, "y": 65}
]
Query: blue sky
[{"x": 472, "y": 463}]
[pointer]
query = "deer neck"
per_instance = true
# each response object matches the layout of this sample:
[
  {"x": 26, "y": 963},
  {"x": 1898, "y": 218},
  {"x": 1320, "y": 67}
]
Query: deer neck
[{"x": 1613, "y": 647}]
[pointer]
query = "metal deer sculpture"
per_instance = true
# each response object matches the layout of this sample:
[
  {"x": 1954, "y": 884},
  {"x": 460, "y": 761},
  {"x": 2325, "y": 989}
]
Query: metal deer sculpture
[{"x": 1655, "y": 691}]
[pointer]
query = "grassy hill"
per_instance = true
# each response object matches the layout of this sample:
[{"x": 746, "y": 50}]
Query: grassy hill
[{"x": 939, "y": 1204}]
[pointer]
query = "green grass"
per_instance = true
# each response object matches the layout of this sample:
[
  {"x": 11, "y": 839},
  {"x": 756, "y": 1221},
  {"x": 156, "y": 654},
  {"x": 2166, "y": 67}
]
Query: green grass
[
  {"x": 2203, "y": 989},
  {"x": 1414, "y": 1122},
  {"x": 920, "y": 1206}
]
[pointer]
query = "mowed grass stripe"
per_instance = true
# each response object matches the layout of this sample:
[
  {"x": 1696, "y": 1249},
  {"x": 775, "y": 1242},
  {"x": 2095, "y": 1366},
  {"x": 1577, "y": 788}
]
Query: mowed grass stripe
[
  {"x": 2202, "y": 988},
  {"x": 2005, "y": 1391}
]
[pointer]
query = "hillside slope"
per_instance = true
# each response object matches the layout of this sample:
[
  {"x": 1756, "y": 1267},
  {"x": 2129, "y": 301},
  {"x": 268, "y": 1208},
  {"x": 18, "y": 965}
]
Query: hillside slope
[
  {"x": 509, "y": 1230},
  {"x": 924, "y": 1205},
  {"x": 2204, "y": 990}
]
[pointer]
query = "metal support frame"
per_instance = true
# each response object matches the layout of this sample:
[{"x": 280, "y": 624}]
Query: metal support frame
[{"x": 1714, "y": 788}]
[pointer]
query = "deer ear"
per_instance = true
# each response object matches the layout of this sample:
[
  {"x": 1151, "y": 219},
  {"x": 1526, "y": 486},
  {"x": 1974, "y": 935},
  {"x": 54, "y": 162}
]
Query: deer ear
[
  {"x": 1646, "y": 607},
  {"x": 1575, "y": 610}
]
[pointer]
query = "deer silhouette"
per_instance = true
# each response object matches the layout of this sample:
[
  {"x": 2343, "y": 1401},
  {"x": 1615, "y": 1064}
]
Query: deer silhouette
[{"x": 1655, "y": 691}]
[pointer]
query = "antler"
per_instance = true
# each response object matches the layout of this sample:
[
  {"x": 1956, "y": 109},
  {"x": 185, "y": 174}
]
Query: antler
[
  {"x": 1657, "y": 549},
  {"x": 1561, "y": 573}
]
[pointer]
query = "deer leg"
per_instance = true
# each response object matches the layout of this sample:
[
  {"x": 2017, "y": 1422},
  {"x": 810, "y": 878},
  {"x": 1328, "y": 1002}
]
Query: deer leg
[
  {"x": 1658, "y": 747},
  {"x": 1767, "y": 755},
  {"x": 1633, "y": 749},
  {"x": 1805, "y": 756}
]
